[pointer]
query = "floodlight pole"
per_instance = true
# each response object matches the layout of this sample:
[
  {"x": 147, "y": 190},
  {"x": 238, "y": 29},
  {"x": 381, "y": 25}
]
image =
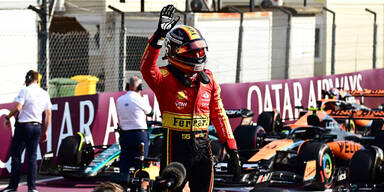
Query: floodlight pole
[
  {"x": 122, "y": 48},
  {"x": 333, "y": 39},
  {"x": 374, "y": 37},
  {"x": 43, "y": 13},
  {"x": 239, "y": 45},
  {"x": 287, "y": 41}
]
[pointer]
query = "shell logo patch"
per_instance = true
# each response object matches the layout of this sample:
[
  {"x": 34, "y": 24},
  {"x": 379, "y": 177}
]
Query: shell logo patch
[
  {"x": 164, "y": 72},
  {"x": 181, "y": 95}
]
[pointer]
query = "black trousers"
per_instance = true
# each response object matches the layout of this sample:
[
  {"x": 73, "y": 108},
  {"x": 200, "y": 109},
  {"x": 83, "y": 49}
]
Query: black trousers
[
  {"x": 130, "y": 148},
  {"x": 193, "y": 150},
  {"x": 25, "y": 136}
]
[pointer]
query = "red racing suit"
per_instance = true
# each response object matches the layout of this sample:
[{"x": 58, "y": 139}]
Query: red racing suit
[{"x": 185, "y": 110}]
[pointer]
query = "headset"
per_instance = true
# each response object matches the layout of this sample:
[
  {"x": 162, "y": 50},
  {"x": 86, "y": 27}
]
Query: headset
[
  {"x": 138, "y": 88},
  {"x": 29, "y": 77}
]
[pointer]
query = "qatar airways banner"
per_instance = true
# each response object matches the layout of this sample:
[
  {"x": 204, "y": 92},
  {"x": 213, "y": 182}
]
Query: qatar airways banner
[{"x": 96, "y": 116}]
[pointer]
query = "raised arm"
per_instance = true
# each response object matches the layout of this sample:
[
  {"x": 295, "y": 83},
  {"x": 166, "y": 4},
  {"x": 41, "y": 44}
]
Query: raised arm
[{"x": 150, "y": 71}]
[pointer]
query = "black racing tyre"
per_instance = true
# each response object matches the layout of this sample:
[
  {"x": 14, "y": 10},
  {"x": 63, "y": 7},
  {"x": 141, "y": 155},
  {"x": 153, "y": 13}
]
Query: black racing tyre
[
  {"x": 154, "y": 149},
  {"x": 361, "y": 167},
  {"x": 278, "y": 124},
  {"x": 325, "y": 166},
  {"x": 69, "y": 153},
  {"x": 376, "y": 126},
  {"x": 350, "y": 126},
  {"x": 379, "y": 139},
  {"x": 265, "y": 119},
  {"x": 247, "y": 140}
]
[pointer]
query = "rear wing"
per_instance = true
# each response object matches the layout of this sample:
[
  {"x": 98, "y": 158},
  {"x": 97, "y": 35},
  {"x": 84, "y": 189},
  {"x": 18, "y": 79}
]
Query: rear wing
[
  {"x": 366, "y": 93},
  {"x": 245, "y": 114},
  {"x": 234, "y": 113},
  {"x": 350, "y": 114}
]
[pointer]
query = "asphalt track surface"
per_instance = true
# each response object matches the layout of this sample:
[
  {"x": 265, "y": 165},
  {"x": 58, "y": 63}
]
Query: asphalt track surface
[
  {"x": 56, "y": 184},
  {"x": 59, "y": 184}
]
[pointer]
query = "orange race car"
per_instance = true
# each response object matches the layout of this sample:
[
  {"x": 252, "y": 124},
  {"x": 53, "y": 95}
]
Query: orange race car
[
  {"x": 338, "y": 99},
  {"x": 313, "y": 153}
]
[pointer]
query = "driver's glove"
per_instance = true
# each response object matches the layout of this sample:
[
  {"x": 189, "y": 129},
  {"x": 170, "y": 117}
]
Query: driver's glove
[
  {"x": 166, "y": 22},
  {"x": 234, "y": 163}
]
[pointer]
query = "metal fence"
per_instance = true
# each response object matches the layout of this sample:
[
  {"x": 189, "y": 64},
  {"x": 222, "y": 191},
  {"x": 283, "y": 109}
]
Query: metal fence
[
  {"x": 101, "y": 60},
  {"x": 94, "y": 62}
]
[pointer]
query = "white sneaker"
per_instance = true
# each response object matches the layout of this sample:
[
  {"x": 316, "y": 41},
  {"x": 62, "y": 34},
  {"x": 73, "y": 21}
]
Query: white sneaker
[{"x": 32, "y": 190}]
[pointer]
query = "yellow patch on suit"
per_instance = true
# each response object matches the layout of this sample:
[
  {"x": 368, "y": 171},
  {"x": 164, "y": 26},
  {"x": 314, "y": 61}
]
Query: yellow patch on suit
[
  {"x": 164, "y": 72},
  {"x": 181, "y": 95},
  {"x": 186, "y": 136}
]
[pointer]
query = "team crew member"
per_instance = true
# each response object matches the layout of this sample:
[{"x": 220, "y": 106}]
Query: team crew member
[
  {"x": 31, "y": 102},
  {"x": 189, "y": 98},
  {"x": 132, "y": 110}
]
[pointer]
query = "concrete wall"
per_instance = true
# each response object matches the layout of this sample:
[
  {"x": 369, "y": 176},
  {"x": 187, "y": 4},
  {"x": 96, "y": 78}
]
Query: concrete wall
[
  {"x": 301, "y": 61},
  {"x": 354, "y": 36},
  {"x": 127, "y": 6},
  {"x": 19, "y": 50},
  {"x": 257, "y": 47},
  {"x": 279, "y": 35},
  {"x": 301, "y": 46},
  {"x": 221, "y": 30},
  {"x": 222, "y": 37}
]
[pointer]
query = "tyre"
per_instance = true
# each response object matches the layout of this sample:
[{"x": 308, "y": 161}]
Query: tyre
[
  {"x": 247, "y": 140},
  {"x": 265, "y": 120},
  {"x": 348, "y": 125},
  {"x": 376, "y": 126},
  {"x": 325, "y": 166},
  {"x": 155, "y": 147},
  {"x": 69, "y": 153},
  {"x": 379, "y": 139},
  {"x": 361, "y": 167},
  {"x": 351, "y": 126}
]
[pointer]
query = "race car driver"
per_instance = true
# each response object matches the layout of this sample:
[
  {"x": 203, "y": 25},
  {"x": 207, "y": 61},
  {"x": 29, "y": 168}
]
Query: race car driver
[{"x": 189, "y": 98}]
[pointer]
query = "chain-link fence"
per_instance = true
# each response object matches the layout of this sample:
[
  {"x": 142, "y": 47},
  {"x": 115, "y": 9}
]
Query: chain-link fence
[{"x": 83, "y": 63}]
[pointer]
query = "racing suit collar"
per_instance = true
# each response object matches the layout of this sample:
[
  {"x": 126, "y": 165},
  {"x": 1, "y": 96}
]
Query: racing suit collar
[{"x": 187, "y": 79}]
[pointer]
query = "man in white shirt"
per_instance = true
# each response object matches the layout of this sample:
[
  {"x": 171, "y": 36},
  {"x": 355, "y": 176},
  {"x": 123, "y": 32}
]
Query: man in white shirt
[
  {"x": 31, "y": 102},
  {"x": 132, "y": 110}
]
